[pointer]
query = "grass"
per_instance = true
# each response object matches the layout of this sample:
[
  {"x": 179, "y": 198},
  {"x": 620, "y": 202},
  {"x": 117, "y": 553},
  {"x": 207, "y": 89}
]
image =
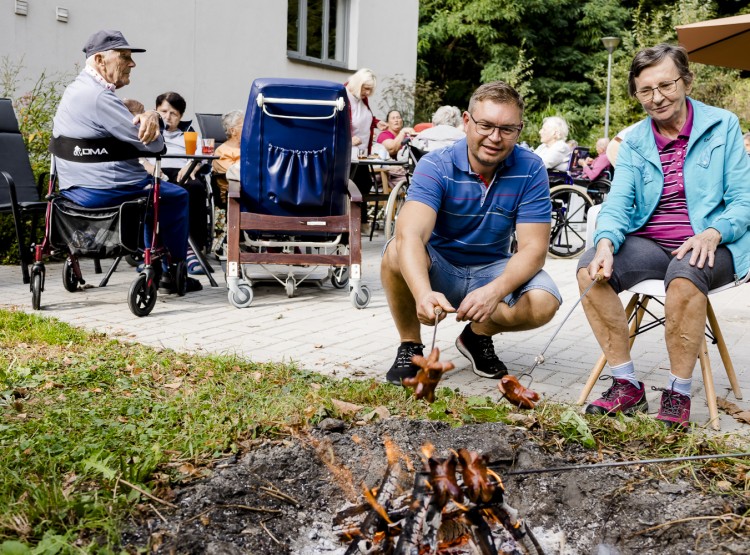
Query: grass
[{"x": 89, "y": 427}]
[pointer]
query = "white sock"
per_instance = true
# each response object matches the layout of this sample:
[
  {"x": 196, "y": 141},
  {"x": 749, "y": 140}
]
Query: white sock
[
  {"x": 625, "y": 371},
  {"x": 680, "y": 385}
]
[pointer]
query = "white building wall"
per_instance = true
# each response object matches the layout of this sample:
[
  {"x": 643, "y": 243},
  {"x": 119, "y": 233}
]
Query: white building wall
[{"x": 207, "y": 50}]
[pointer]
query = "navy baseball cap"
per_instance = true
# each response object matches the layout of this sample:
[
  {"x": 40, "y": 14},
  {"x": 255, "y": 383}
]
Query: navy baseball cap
[{"x": 107, "y": 40}]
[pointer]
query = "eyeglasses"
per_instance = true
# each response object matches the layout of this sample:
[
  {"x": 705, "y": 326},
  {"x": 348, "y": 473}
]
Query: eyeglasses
[
  {"x": 506, "y": 131},
  {"x": 665, "y": 89}
]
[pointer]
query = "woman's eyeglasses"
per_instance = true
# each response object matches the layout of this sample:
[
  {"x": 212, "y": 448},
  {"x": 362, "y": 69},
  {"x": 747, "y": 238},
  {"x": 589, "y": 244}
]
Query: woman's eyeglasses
[
  {"x": 506, "y": 131},
  {"x": 665, "y": 89}
]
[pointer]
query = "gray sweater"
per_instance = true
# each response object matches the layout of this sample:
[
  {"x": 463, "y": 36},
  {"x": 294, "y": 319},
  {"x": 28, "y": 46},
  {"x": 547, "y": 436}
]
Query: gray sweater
[{"x": 90, "y": 111}]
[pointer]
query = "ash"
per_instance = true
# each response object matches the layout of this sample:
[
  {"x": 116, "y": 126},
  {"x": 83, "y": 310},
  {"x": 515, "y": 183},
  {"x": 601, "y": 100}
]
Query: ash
[{"x": 282, "y": 497}]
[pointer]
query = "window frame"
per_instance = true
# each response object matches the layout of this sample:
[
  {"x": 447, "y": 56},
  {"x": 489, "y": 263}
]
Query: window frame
[{"x": 325, "y": 60}]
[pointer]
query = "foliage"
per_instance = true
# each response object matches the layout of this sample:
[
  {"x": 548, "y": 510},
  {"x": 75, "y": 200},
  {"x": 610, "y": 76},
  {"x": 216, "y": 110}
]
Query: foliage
[
  {"x": 35, "y": 107},
  {"x": 83, "y": 417},
  {"x": 552, "y": 53},
  {"x": 415, "y": 99}
]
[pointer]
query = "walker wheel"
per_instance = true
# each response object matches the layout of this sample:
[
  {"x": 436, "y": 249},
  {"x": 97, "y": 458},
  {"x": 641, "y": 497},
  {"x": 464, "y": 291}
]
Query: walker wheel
[
  {"x": 242, "y": 300},
  {"x": 340, "y": 277},
  {"x": 36, "y": 291},
  {"x": 362, "y": 299},
  {"x": 142, "y": 296},
  {"x": 70, "y": 281},
  {"x": 290, "y": 287}
]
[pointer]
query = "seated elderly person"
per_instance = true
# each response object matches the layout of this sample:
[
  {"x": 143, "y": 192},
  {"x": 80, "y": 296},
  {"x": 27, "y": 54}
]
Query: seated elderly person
[
  {"x": 229, "y": 151},
  {"x": 392, "y": 137},
  {"x": 593, "y": 168},
  {"x": 447, "y": 128},
  {"x": 678, "y": 210},
  {"x": 554, "y": 151},
  {"x": 90, "y": 109}
]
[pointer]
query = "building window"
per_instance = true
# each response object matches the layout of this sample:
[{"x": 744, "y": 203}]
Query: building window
[{"x": 317, "y": 31}]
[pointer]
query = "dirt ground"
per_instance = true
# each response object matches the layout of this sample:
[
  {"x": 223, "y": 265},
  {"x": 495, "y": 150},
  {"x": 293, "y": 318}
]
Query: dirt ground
[{"x": 238, "y": 510}]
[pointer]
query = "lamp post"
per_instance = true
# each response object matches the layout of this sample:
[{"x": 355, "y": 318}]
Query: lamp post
[{"x": 610, "y": 43}]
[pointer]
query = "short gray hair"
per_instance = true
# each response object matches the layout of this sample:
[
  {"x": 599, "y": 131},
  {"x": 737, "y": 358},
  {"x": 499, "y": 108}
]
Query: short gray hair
[
  {"x": 232, "y": 119},
  {"x": 558, "y": 125},
  {"x": 447, "y": 115},
  {"x": 649, "y": 57}
]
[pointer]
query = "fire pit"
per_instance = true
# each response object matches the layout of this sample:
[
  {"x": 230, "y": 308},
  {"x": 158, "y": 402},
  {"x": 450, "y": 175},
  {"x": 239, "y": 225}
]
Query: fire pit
[{"x": 456, "y": 506}]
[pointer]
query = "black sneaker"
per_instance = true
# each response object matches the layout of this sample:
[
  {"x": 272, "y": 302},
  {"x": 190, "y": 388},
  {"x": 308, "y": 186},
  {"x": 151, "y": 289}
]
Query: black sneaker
[
  {"x": 403, "y": 366},
  {"x": 168, "y": 285},
  {"x": 480, "y": 350}
]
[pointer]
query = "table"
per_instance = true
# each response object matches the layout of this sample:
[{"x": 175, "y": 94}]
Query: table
[
  {"x": 195, "y": 159},
  {"x": 376, "y": 194}
]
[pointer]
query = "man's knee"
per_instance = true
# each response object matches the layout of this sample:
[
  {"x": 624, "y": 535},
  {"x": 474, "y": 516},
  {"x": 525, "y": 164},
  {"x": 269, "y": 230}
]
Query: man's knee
[{"x": 537, "y": 307}]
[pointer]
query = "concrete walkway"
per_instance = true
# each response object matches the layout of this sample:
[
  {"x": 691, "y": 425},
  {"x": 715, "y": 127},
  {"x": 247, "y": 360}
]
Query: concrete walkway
[{"x": 320, "y": 330}]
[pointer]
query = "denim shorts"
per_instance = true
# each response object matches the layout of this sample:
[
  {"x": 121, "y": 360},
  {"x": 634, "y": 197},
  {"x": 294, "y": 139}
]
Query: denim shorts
[
  {"x": 455, "y": 282},
  {"x": 640, "y": 258}
]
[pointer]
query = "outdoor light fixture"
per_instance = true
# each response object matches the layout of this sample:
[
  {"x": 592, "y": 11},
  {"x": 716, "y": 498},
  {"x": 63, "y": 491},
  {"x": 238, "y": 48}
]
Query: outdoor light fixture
[
  {"x": 610, "y": 43},
  {"x": 62, "y": 14},
  {"x": 22, "y": 7}
]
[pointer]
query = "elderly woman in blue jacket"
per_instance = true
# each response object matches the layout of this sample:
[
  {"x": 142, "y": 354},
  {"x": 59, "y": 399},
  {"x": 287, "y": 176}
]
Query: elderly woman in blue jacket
[{"x": 678, "y": 210}]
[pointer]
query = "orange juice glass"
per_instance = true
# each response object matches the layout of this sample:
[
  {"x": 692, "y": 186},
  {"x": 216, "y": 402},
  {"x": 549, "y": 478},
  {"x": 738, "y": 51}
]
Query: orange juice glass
[{"x": 191, "y": 141}]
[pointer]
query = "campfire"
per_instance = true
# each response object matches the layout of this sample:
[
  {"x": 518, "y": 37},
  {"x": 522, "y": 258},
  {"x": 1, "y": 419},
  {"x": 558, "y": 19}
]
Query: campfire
[{"x": 456, "y": 505}]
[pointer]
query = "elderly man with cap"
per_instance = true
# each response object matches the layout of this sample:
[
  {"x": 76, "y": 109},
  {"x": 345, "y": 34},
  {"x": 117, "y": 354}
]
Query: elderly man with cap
[{"x": 89, "y": 109}]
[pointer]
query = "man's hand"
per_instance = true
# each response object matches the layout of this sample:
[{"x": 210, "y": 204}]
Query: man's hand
[
  {"x": 426, "y": 307},
  {"x": 182, "y": 173},
  {"x": 703, "y": 246},
  {"x": 603, "y": 261},
  {"x": 479, "y": 305},
  {"x": 148, "y": 126}
]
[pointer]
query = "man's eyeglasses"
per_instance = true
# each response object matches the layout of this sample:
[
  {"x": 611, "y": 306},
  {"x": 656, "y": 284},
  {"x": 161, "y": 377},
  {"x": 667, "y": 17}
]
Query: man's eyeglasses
[
  {"x": 665, "y": 89},
  {"x": 506, "y": 131}
]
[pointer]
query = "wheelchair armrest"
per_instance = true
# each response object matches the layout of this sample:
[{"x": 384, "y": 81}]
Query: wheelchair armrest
[{"x": 354, "y": 192}]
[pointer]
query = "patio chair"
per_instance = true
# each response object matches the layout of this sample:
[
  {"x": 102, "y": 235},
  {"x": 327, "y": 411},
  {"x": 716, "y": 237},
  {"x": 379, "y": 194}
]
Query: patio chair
[
  {"x": 637, "y": 307},
  {"x": 19, "y": 193},
  {"x": 211, "y": 128}
]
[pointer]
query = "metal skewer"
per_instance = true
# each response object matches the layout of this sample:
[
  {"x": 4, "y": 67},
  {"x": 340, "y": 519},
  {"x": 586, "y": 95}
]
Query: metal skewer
[
  {"x": 539, "y": 359},
  {"x": 438, "y": 312}
]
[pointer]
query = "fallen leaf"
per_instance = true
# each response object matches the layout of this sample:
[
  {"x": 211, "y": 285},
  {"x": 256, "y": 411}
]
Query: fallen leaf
[
  {"x": 733, "y": 410},
  {"x": 381, "y": 413},
  {"x": 723, "y": 485},
  {"x": 96, "y": 390},
  {"x": 525, "y": 420},
  {"x": 318, "y": 345},
  {"x": 173, "y": 385},
  {"x": 257, "y": 376},
  {"x": 346, "y": 408},
  {"x": 315, "y": 386}
]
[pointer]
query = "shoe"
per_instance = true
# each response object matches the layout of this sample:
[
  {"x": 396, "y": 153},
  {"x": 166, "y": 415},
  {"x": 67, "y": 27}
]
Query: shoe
[
  {"x": 674, "y": 410},
  {"x": 480, "y": 350},
  {"x": 403, "y": 366},
  {"x": 167, "y": 283},
  {"x": 220, "y": 251},
  {"x": 622, "y": 397}
]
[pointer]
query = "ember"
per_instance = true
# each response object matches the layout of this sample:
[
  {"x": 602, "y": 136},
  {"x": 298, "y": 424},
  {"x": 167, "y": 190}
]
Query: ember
[{"x": 456, "y": 506}]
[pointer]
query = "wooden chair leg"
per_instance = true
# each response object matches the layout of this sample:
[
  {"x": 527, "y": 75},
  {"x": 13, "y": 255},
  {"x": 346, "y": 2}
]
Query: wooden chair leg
[
  {"x": 596, "y": 371},
  {"x": 723, "y": 351},
  {"x": 708, "y": 385}
]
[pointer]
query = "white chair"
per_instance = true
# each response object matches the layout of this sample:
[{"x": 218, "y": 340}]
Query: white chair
[{"x": 637, "y": 308}]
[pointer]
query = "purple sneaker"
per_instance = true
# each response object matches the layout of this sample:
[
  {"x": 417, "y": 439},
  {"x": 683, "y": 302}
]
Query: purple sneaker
[
  {"x": 674, "y": 411},
  {"x": 622, "y": 397}
]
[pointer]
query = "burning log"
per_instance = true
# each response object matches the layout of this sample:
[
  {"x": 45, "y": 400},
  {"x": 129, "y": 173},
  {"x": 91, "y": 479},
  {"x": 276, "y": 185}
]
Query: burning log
[
  {"x": 431, "y": 370},
  {"x": 517, "y": 394},
  {"x": 433, "y": 517}
]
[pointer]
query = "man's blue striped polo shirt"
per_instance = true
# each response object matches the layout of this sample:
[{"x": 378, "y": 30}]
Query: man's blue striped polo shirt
[{"x": 475, "y": 223}]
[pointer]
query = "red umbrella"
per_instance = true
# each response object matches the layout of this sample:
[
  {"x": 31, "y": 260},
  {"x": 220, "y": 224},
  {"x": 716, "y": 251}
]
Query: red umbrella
[{"x": 719, "y": 42}]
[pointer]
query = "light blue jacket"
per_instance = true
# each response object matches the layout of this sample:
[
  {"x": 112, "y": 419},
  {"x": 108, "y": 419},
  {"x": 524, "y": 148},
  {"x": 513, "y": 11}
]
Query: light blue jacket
[{"x": 717, "y": 183}]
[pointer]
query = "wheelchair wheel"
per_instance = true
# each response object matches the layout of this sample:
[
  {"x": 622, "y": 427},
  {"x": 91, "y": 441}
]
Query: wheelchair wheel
[
  {"x": 360, "y": 301},
  {"x": 340, "y": 277},
  {"x": 396, "y": 200},
  {"x": 70, "y": 281},
  {"x": 244, "y": 299},
  {"x": 142, "y": 296},
  {"x": 133, "y": 260},
  {"x": 36, "y": 291},
  {"x": 570, "y": 204}
]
